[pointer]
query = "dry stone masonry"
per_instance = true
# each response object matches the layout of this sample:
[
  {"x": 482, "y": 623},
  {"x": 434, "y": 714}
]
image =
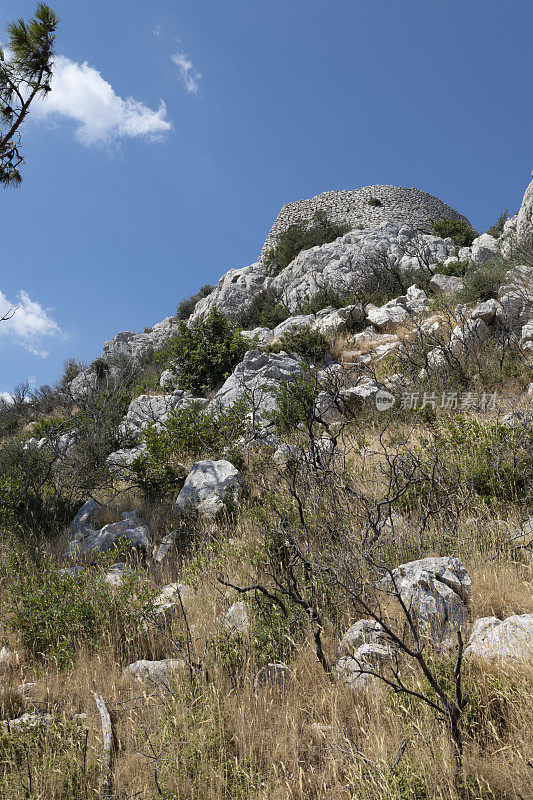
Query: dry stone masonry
[{"x": 402, "y": 206}]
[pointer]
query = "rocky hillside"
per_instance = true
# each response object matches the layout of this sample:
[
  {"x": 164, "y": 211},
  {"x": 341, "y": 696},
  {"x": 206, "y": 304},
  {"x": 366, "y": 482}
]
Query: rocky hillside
[{"x": 280, "y": 544}]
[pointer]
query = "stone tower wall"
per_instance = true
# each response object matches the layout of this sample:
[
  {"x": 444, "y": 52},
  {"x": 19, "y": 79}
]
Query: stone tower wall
[{"x": 403, "y": 206}]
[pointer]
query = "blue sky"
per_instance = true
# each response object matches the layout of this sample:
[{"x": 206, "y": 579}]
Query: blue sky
[{"x": 129, "y": 204}]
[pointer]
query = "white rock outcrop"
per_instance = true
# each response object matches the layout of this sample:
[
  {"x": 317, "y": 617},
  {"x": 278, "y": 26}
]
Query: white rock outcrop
[
  {"x": 149, "y": 409},
  {"x": 445, "y": 284},
  {"x": 365, "y": 631},
  {"x": 389, "y": 317},
  {"x": 233, "y": 293},
  {"x": 350, "y": 263},
  {"x": 255, "y": 377},
  {"x": 135, "y": 345},
  {"x": 161, "y": 550}
]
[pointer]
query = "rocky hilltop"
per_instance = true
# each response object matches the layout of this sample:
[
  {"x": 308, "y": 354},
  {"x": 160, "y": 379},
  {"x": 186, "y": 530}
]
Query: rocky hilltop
[
  {"x": 367, "y": 208},
  {"x": 285, "y": 536}
]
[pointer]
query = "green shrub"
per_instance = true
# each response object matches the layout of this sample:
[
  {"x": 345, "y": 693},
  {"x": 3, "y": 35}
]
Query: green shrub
[
  {"x": 188, "y": 432},
  {"x": 306, "y": 342},
  {"x": 44, "y": 426},
  {"x": 299, "y": 236},
  {"x": 98, "y": 434},
  {"x": 295, "y": 402},
  {"x": 148, "y": 382},
  {"x": 30, "y": 503},
  {"x": 101, "y": 368},
  {"x": 265, "y": 311},
  {"x": 275, "y": 635},
  {"x": 496, "y": 462},
  {"x": 374, "y": 201},
  {"x": 71, "y": 368},
  {"x": 496, "y": 230},
  {"x": 483, "y": 282},
  {"x": 455, "y": 268},
  {"x": 205, "y": 355},
  {"x": 459, "y": 230},
  {"x": 328, "y": 297},
  {"x": 186, "y": 307},
  {"x": 56, "y": 613}
]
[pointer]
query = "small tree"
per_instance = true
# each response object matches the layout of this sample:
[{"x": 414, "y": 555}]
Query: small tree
[
  {"x": 459, "y": 230},
  {"x": 496, "y": 230},
  {"x": 205, "y": 355},
  {"x": 24, "y": 75}
]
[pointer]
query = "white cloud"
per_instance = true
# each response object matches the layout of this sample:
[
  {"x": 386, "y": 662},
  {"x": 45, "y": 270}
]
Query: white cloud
[
  {"x": 189, "y": 75},
  {"x": 81, "y": 94},
  {"x": 29, "y": 325}
]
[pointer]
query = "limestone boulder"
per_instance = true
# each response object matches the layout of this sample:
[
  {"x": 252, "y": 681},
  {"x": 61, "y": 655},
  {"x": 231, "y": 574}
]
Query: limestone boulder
[
  {"x": 389, "y": 317},
  {"x": 496, "y": 640},
  {"x": 437, "y": 591},
  {"x": 162, "y": 550},
  {"x": 485, "y": 248},
  {"x": 168, "y": 379},
  {"x": 293, "y": 324},
  {"x": 83, "y": 385},
  {"x": 486, "y": 311},
  {"x": 155, "y": 673},
  {"x": 516, "y": 297},
  {"x": 234, "y": 293},
  {"x": 208, "y": 487},
  {"x": 28, "y": 720},
  {"x": 524, "y": 218},
  {"x": 354, "y": 670},
  {"x": 131, "y": 530},
  {"x": 136, "y": 345},
  {"x": 333, "y": 321},
  {"x": 526, "y": 336},
  {"x": 445, "y": 284},
  {"x": 365, "y": 631},
  {"x": 258, "y": 336},
  {"x": 86, "y": 520},
  {"x": 116, "y": 574},
  {"x": 363, "y": 393},
  {"x": 470, "y": 334},
  {"x": 121, "y": 461}
]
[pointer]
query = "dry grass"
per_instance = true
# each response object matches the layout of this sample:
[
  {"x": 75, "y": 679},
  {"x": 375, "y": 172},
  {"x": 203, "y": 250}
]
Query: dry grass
[
  {"x": 220, "y": 739},
  {"x": 316, "y": 739}
]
